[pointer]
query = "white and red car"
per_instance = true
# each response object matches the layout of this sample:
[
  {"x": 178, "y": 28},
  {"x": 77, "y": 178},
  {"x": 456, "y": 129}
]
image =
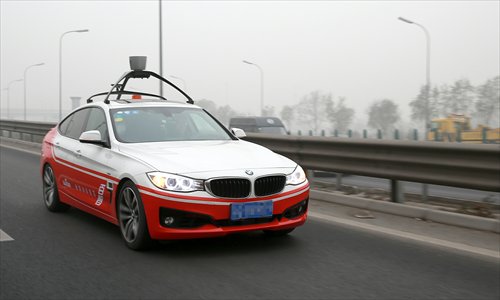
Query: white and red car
[{"x": 166, "y": 170}]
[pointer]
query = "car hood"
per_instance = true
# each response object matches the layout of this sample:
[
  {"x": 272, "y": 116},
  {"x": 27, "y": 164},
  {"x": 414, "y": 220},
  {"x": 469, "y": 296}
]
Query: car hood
[{"x": 205, "y": 156}]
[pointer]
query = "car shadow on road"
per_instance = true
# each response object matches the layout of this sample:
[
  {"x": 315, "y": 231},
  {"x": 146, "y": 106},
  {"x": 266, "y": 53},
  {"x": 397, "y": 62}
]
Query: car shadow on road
[{"x": 238, "y": 243}]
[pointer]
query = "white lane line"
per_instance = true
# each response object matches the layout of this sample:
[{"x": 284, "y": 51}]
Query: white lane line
[
  {"x": 22, "y": 150},
  {"x": 407, "y": 235},
  {"x": 4, "y": 237}
]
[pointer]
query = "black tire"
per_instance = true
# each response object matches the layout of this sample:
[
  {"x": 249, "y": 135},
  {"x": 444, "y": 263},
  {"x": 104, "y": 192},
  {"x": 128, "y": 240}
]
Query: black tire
[
  {"x": 50, "y": 191},
  {"x": 132, "y": 219},
  {"x": 278, "y": 232}
]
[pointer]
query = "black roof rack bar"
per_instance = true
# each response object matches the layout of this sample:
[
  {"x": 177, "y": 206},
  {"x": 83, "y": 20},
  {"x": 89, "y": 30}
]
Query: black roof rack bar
[
  {"x": 119, "y": 93},
  {"x": 142, "y": 74}
]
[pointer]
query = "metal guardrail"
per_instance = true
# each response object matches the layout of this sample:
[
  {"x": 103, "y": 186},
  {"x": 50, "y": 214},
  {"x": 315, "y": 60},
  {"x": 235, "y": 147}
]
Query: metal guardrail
[
  {"x": 458, "y": 165},
  {"x": 25, "y": 130}
]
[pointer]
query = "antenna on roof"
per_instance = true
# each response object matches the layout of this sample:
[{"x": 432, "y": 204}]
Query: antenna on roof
[
  {"x": 138, "y": 66},
  {"x": 138, "y": 63}
]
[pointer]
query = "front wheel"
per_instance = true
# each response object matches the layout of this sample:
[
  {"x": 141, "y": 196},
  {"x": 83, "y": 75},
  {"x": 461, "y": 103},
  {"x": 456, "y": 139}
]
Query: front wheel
[
  {"x": 278, "y": 232},
  {"x": 132, "y": 218},
  {"x": 50, "y": 192}
]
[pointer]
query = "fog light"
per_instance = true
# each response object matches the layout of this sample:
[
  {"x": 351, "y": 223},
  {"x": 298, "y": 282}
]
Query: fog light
[
  {"x": 168, "y": 220},
  {"x": 297, "y": 210}
]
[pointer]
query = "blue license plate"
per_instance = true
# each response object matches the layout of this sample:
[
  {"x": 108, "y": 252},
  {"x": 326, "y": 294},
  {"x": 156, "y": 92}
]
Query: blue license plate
[{"x": 249, "y": 210}]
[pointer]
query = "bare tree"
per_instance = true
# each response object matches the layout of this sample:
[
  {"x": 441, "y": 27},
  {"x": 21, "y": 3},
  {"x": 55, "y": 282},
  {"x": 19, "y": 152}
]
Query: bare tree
[
  {"x": 457, "y": 98},
  {"x": 268, "y": 111},
  {"x": 488, "y": 102},
  {"x": 383, "y": 115},
  {"x": 340, "y": 115},
  {"x": 287, "y": 115},
  {"x": 312, "y": 110},
  {"x": 417, "y": 105}
]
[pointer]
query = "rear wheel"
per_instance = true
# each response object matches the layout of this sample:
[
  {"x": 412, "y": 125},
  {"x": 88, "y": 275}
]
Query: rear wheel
[
  {"x": 278, "y": 232},
  {"x": 50, "y": 192},
  {"x": 132, "y": 218}
]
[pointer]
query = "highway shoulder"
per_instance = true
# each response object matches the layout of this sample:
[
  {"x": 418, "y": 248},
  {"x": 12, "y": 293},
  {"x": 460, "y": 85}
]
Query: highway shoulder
[{"x": 456, "y": 238}]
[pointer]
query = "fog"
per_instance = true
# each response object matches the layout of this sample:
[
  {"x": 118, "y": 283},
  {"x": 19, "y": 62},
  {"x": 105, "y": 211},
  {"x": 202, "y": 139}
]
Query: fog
[{"x": 353, "y": 49}]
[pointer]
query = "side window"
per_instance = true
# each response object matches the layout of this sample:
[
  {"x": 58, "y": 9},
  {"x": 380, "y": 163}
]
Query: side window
[
  {"x": 75, "y": 125},
  {"x": 64, "y": 125},
  {"x": 97, "y": 121}
]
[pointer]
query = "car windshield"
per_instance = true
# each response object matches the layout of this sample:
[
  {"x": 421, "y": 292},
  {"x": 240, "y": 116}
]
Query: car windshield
[{"x": 159, "y": 124}]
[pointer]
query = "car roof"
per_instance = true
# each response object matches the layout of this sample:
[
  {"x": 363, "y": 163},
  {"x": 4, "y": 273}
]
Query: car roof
[{"x": 126, "y": 103}]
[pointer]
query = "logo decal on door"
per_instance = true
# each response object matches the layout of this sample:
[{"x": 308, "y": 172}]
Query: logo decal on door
[
  {"x": 66, "y": 183},
  {"x": 100, "y": 194}
]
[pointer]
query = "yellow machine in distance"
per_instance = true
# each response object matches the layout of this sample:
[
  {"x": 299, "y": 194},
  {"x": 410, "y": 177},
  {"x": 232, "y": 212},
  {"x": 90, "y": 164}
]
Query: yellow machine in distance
[{"x": 457, "y": 128}]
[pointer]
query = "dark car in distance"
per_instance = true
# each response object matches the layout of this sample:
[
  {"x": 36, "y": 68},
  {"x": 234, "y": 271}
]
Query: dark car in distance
[{"x": 270, "y": 125}]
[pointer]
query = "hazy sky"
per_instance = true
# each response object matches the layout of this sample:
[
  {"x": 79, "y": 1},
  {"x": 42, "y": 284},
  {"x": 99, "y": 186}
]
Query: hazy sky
[{"x": 355, "y": 49}]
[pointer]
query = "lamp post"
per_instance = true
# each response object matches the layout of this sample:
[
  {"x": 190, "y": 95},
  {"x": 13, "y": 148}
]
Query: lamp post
[
  {"x": 60, "y": 66},
  {"x": 425, "y": 189},
  {"x": 261, "y": 85},
  {"x": 160, "y": 44},
  {"x": 178, "y": 78},
  {"x": 8, "y": 95},
  {"x": 25, "y": 71},
  {"x": 427, "y": 70}
]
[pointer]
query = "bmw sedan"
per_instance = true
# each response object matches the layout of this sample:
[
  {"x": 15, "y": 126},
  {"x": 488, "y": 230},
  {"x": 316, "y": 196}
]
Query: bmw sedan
[{"x": 162, "y": 170}]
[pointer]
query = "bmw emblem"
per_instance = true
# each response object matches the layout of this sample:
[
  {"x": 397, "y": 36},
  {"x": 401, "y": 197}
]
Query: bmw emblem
[{"x": 248, "y": 172}]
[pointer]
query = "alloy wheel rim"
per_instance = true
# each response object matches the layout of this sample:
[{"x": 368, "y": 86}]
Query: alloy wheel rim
[
  {"x": 48, "y": 186},
  {"x": 129, "y": 214}
]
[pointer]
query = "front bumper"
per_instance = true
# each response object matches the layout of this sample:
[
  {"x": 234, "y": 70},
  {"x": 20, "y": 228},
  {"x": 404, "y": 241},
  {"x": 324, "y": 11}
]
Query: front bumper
[{"x": 219, "y": 214}]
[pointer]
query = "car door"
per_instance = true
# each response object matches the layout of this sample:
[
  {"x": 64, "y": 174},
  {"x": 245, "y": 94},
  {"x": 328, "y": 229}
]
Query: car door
[
  {"x": 98, "y": 161},
  {"x": 66, "y": 144}
]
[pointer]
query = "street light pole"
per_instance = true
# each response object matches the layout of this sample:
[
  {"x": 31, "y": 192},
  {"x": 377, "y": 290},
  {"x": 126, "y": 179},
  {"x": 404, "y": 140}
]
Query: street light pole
[
  {"x": 261, "y": 85},
  {"x": 60, "y": 66},
  {"x": 161, "y": 46},
  {"x": 178, "y": 78},
  {"x": 425, "y": 188},
  {"x": 427, "y": 71},
  {"x": 8, "y": 95},
  {"x": 25, "y": 71}
]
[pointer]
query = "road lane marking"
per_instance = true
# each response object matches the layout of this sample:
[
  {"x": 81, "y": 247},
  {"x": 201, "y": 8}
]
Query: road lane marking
[
  {"x": 4, "y": 237},
  {"x": 407, "y": 235}
]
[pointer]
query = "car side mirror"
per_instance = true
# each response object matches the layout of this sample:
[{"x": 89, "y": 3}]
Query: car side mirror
[
  {"x": 92, "y": 137},
  {"x": 239, "y": 133}
]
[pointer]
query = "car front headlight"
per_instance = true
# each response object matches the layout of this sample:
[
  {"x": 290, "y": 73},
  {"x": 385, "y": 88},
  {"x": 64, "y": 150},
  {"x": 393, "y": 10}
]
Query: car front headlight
[
  {"x": 175, "y": 183},
  {"x": 298, "y": 176}
]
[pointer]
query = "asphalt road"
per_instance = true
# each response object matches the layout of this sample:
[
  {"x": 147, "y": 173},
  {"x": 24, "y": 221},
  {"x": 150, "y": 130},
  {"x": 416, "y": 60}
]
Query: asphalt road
[{"x": 74, "y": 255}]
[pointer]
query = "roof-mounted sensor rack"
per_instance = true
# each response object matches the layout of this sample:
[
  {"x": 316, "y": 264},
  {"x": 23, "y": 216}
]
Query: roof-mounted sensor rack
[{"x": 138, "y": 66}]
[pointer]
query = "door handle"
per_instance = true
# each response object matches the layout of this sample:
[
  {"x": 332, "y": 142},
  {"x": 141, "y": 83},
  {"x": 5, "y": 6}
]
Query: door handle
[{"x": 78, "y": 153}]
